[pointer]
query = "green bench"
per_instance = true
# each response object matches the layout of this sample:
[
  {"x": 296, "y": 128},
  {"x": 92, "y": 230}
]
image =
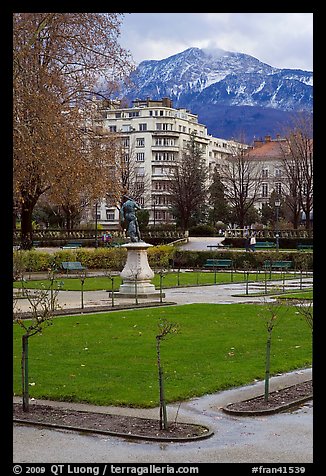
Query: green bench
[
  {"x": 72, "y": 266},
  {"x": 218, "y": 263},
  {"x": 277, "y": 264},
  {"x": 71, "y": 246},
  {"x": 304, "y": 246},
  {"x": 265, "y": 244},
  {"x": 113, "y": 244}
]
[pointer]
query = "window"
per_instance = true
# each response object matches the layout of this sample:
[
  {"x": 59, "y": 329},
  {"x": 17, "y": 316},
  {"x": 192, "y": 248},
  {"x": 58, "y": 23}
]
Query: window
[
  {"x": 126, "y": 128},
  {"x": 163, "y": 126},
  {"x": 264, "y": 190},
  {"x": 140, "y": 157},
  {"x": 265, "y": 173},
  {"x": 164, "y": 156},
  {"x": 110, "y": 214},
  {"x": 164, "y": 141},
  {"x": 140, "y": 186},
  {"x": 140, "y": 142},
  {"x": 278, "y": 173},
  {"x": 140, "y": 171},
  {"x": 143, "y": 127},
  {"x": 113, "y": 128},
  {"x": 278, "y": 188}
]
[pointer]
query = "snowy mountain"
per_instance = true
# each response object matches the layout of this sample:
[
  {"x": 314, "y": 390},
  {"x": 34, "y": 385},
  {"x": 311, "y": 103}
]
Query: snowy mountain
[{"x": 218, "y": 84}]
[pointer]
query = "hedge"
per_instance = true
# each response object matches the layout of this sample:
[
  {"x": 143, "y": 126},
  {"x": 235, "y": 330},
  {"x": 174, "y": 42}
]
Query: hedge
[
  {"x": 100, "y": 258},
  {"x": 158, "y": 257}
]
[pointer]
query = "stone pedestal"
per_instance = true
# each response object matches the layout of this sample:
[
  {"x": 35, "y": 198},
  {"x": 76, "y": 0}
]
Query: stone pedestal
[{"x": 137, "y": 274}]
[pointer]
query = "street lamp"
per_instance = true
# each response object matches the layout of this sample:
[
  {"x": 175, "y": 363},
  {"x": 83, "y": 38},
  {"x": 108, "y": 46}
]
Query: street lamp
[
  {"x": 154, "y": 212},
  {"x": 277, "y": 206},
  {"x": 96, "y": 234}
]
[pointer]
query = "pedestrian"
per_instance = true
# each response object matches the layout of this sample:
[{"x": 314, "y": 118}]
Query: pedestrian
[
  {"x": 252, "y": 242},
  {"x": 247, "y": 243}
]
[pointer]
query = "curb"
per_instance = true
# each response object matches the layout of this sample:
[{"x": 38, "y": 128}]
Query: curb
[
  {"x": 268, "y": 411},
  {"x": 135, "y": 436},
  {"x": 95, "y": 309}
]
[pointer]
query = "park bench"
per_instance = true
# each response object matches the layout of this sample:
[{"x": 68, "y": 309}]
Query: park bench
[
  {"x": 277, "y": 264},
  {"x": 113, "y": 244},
  {"x": 36, "y": 244},
  {"x": 218, "y": 263},
  {"x": 71, "y": 245},
  {"x": 72, "y": 266},
  {"x": 304, "y": 246},
  {"x": 265, "y": 244}
]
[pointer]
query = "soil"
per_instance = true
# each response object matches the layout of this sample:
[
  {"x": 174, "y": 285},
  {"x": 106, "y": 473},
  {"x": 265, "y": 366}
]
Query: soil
[
  {"x": 108, "y": 423},
  {"x": 278, "y": 400},
  {"x": 149, "y": 428}
]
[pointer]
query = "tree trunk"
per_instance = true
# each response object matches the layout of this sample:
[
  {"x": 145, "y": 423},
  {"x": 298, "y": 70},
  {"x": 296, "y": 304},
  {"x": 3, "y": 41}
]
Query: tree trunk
[
  {"x": 25, "y": 373},
  {"x": 163, "y": 414},
  {"x": 267, "y": 368},
  {"x": 26, "y": 227}
]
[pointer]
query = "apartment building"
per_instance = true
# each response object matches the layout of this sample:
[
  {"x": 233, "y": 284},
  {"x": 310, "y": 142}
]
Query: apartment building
[
  {"x": 153, "y": 136},
  {"x": 269, "y": 155}
]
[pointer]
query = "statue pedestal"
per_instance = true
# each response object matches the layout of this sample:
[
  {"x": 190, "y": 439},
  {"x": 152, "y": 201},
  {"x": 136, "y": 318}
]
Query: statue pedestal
[{"x": 137, "y": 274}]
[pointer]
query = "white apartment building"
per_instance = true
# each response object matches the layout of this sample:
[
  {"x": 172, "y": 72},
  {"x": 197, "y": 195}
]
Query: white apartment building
[{"x": 154, "y": 135}]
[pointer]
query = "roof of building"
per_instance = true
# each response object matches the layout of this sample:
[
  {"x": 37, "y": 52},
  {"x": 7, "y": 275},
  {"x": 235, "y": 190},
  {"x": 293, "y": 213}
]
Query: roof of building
[{"x": 268, "y": 149}]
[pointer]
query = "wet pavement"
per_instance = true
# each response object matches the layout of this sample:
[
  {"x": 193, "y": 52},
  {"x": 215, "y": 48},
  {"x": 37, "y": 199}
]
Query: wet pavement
[{"x": 280, "y": 438}]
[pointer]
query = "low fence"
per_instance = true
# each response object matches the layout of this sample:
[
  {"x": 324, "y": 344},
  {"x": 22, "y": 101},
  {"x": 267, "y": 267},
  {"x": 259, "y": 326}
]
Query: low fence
[
  {"x": 58, "y": 237},
  {"x": 268, "y": 233}
]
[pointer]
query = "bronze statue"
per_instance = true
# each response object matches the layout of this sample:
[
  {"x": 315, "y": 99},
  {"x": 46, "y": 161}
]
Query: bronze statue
[{"x": 128, "y": 218}]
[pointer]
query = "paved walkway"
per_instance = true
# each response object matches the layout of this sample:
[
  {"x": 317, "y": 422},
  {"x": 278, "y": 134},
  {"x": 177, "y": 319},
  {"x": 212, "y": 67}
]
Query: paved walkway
[
  {"x": 220, "y": 293},
  {"x": 280, "y": 438}
]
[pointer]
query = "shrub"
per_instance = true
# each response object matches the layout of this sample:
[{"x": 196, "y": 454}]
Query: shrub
[
  {"x": 202, "y": 230},
  {"x": 160, "y": 256}
]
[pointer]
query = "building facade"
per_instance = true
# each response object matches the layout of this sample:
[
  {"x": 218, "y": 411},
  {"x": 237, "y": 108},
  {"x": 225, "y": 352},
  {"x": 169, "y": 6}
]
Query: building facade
[{"x": 153, "y": 137}]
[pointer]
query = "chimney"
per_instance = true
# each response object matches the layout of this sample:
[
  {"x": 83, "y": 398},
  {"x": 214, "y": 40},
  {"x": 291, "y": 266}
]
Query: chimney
[{"x": 258, "y": 143}]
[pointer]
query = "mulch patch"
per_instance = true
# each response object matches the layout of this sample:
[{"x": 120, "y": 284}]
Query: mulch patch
[
  {"x": 145, "y": 428},
  {"x": 106, "y": 423},
  {"x": 277, "y": 401}
]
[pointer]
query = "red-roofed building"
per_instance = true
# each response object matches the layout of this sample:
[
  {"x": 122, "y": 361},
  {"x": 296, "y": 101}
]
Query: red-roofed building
[{"x": 270, "y": 153}]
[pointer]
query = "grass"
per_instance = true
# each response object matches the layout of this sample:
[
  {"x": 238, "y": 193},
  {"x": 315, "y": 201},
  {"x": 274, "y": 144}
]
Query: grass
[
  {"x": 110, "y": 358},
  {"x": 99, "y": 283},
  {"x": 298, "y": 295}
]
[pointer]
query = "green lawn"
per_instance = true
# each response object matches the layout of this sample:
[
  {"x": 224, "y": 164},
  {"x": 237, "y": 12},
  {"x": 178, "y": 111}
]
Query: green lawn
[
  {"x": 170, "y": 280},
  {"x": 110, "y": 358}
]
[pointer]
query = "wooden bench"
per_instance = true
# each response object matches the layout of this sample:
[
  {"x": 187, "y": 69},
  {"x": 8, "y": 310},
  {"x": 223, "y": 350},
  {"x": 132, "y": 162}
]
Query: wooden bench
[
  {"x": 218, "y": 263},
  {"x": 71, "y": 246},
  {"x": 304, "y": 246},
  {"x": 265, "y": 244},
  {"x": 72, "y": 266},
  {"x": 277, "y": 264}
]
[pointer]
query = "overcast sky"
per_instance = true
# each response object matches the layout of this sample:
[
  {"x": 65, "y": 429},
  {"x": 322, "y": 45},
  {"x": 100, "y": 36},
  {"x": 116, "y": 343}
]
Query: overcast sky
[{"x": 282, "y": 40}]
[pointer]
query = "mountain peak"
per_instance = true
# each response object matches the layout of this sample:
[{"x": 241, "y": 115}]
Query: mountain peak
[{"x": 205, "y": 79}]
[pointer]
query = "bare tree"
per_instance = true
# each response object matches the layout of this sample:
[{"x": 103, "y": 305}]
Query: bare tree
[
  {"x": 58, "y": 61},
  {"x": 297, "y": 163},
  {"x": 43, "y": 303},
  {"x": 166, "y": 328},
  {"x": 242, "y": 178},
  {"x": 270, "y": 313}
]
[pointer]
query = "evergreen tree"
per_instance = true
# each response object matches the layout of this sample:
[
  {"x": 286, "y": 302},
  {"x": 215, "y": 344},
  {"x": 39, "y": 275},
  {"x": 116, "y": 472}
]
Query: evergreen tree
[{"x": 187, "y": 186}]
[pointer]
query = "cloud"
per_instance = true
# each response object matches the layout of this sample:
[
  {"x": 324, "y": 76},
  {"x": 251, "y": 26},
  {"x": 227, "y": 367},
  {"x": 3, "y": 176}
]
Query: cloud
[{"x": 280, "y": 39}]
